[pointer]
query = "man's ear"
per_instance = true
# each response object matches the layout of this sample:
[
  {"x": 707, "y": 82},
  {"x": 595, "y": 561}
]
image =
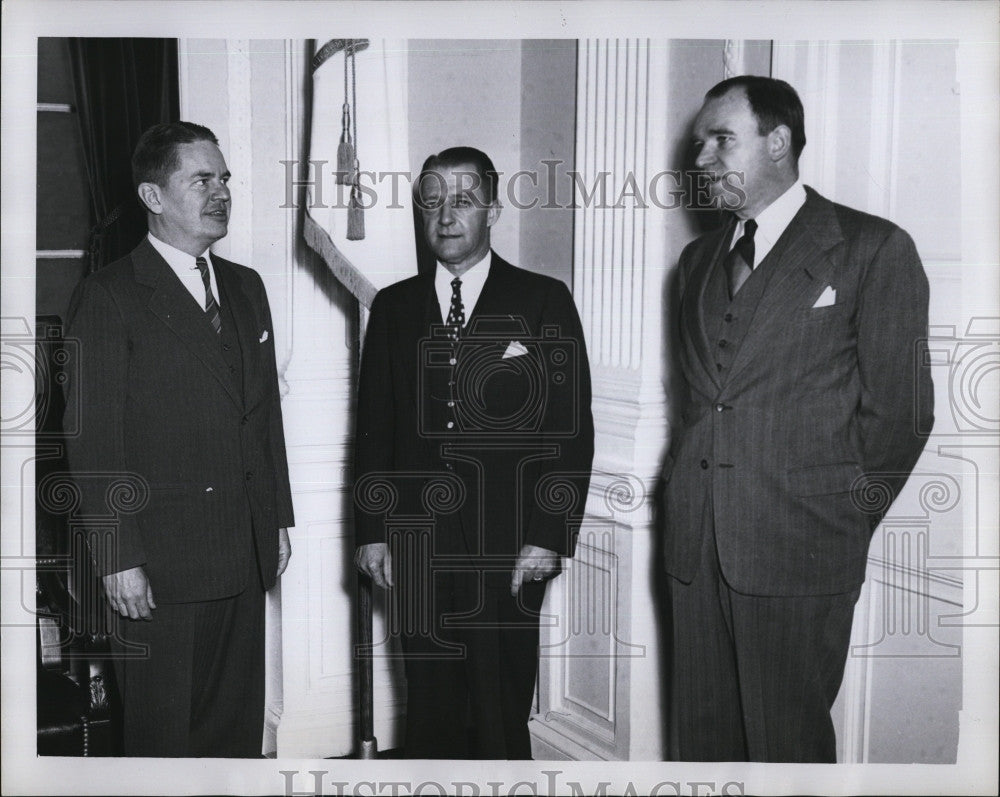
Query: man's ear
[
  {"x": 493, "y": 213},
  {"x": 779, "y": 143},
  {"x": 149, "y": 195}
]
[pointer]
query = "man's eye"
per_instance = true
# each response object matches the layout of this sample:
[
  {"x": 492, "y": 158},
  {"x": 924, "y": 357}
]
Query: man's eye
[
  {"x": 724, "y": 141},
  {"x": 461, "y": 203}
]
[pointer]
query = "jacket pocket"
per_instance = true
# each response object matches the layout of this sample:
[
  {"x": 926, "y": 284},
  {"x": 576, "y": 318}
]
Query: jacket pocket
[{"x": 838, "y": 477}]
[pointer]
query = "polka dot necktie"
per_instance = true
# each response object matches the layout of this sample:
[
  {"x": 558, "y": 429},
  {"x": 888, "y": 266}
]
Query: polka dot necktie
[{"x": 456, "y": 315}]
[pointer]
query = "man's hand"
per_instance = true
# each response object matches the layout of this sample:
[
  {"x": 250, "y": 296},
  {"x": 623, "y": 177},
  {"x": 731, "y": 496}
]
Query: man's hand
[
  {"x": 129, "y": 593},
  {"x": 533, "y": 564},
  {"x": 375, "y": 560},
  {"x": 284, "y": 551}
]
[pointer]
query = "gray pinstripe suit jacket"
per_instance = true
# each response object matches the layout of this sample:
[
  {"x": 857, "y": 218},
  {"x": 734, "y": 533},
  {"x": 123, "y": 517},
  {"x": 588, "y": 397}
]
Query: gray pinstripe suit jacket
[
  {"x": 154, "y": 397},
  {"x": 797, "y": 451}
]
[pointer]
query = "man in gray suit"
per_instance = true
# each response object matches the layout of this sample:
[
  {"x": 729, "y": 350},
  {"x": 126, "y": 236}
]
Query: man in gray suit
[
  {"x": 178, "y": 395},
  {"x": 802, "y": 326}
]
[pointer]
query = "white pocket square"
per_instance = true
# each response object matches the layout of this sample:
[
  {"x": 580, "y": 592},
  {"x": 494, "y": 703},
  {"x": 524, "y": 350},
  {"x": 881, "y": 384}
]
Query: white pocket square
[
  {"x": 827, "y": 298},
  {"x": 263, "y": 336},
  {"x": 514, "y": 349}
]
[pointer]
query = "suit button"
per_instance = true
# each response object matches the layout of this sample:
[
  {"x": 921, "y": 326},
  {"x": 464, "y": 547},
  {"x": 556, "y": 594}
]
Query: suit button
[
  {"x": 451, "y": 403},
  {"x": 720, "y": 407},
  {"x": 452, "y": 361},
  {"x": 449, "y": 466},
  {"x": 704, "y": 464},
  {"x": 450, "y": 424},
  {"x": 226, "y": 347},
  {"x": 244, "y": 420},
  {"x": 718, "y": 366},
  {"x": 723, "y": 344},
  {"x": 249, "y": 475},
  {"x": 728, "y": 317},
  {"x": 232, "y": 369}
]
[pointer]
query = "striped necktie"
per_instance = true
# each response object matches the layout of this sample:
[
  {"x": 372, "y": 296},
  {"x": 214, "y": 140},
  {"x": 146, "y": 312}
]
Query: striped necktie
[
  {"x": 211, "y": 306},
  {"x": 739, "y": 262}
]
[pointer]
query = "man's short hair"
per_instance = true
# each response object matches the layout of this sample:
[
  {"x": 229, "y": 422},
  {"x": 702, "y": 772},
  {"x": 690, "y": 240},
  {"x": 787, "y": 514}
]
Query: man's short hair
[
  {"x": 463, "y": 156},
  {"x": 773, "y": 102},
  {"x": 155, "y": 157}
]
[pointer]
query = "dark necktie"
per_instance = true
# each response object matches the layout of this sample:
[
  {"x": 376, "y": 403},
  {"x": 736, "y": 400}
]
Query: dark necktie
[
  {"x": 739, "y": 261},
  {"x": 211, "y": 306},
  {"x": 456, "y": 315}
]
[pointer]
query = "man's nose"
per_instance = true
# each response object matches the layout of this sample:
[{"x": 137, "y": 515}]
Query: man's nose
[
  {"x": 704, "y": 158},
  {"x": 221, "y": 192},
  {"x": 446, "y": 217}
]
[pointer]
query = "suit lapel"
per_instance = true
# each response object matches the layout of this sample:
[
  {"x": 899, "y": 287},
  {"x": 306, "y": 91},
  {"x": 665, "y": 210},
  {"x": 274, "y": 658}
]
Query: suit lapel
[
  {"x": 241, "y": 311},
  {"x": 693, "y": 302},
  {"x": 498, "y": 297},
  {"x": 414, "y": 324},
  {"x": 803, "y": 260},
  {"x": 171, "y": 303}
]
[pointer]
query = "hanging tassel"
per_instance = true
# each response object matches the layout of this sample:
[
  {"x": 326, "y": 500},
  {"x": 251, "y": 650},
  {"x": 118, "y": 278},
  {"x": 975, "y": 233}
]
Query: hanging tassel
[
  {"x": 345, "y": 150},
  {"x": 355, "y": 215}
]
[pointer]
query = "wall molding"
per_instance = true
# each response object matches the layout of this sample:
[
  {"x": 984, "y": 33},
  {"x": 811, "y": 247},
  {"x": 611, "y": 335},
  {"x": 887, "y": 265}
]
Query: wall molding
[{"x": 240, "y": 155}]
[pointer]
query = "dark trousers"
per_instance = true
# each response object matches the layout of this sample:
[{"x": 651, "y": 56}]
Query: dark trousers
[
  {"x": 199, "y": 691},
  {"x": 470, "y": 683},
  {"x": 753, "y": 677}
]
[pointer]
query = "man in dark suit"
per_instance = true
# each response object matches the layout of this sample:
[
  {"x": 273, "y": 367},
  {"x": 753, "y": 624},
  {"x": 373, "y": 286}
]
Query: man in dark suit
[
  {"x": 802, "y": 327},
  {"x": 178, "y": 396},
  {"x": 474, "y": 417}
]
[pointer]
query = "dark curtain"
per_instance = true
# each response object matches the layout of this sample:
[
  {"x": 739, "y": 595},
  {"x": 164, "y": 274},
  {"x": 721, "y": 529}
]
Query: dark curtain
[{"x": 122, "y": 87}]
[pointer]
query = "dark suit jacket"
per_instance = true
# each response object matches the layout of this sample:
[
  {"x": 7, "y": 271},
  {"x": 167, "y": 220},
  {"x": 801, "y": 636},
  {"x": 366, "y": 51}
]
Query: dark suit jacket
[
  {"x": 818, "y": 401},
  {"x": 519, "y": 455},
  {"x": 156, "y": 400}
]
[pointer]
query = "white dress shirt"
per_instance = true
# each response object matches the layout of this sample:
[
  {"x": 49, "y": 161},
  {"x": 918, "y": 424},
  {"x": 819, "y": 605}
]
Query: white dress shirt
[
  {"x": 772, "y": 222},
  {"x": 472, "y": 285},
  {"x": 186, "y": 269}
]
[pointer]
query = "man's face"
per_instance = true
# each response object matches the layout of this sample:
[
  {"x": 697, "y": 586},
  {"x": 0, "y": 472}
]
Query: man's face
[
  {"x": 726, "y": 139},
  {"x": 457, "y": 215},
  {"x": 193, "y": 207}
]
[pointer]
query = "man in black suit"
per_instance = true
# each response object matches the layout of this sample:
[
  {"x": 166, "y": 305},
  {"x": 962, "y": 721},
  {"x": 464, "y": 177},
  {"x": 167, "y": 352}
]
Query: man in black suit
[
  {"x": 803, "y": 327},
  {"x": 177, "y": 395},
  {"x": 474, "y": 422}
]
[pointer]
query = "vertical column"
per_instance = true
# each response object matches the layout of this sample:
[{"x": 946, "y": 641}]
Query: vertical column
[{"x": 600, "y": 679}]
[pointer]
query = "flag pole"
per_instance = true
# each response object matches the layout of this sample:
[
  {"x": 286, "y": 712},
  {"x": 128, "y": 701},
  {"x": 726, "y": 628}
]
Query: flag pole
[{"x": 368, "y": 743}]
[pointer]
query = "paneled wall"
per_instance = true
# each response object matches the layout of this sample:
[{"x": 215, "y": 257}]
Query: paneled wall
[{"x": 602, "y": 676}]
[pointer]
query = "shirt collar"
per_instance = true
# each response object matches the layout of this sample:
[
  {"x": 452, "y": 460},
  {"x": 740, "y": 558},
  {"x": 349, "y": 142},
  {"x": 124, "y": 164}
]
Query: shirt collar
[
  {"x": 180, "y": 262},
  {"x": 474, "y": 276},
  {"x": 772, "y": 220}
]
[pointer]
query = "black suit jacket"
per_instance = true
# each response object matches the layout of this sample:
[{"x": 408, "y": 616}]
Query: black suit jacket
[
  {"x": 155, "y": 403},
  {"x": 798, "y": 451},
  {"x": 515, "y": 466}
]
